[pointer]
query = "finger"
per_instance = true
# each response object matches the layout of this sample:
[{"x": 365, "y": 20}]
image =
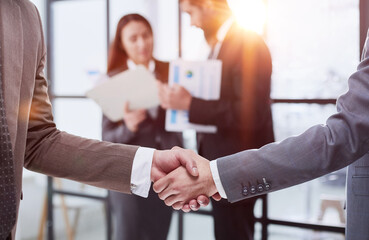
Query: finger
[
  {"x": 203, "y": 200},
  {"x": 160, "y": 185},
  {"x": 126, "y": 108},
  {"x": 167, "y": 90},
  {"x": 216, "y": 197},
  {"x": 141, "y": 111},
  {"x": 194, "y": 205},
  {"x": 178, "y": 205},
  {"x": 158, "y": 83},
  {"x": 186, "y": 159},
  {"x": 172, "y": 199},
  {"x": 169, "y": 195},
  {"x": 140, "y": 118},
  {"x": 186, "y": 208}
]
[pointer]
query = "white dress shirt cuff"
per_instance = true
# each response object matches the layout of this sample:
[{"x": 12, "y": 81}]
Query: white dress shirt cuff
[
  {"x": 141, "y": 172},
  {"x": 216, "y": 178}
]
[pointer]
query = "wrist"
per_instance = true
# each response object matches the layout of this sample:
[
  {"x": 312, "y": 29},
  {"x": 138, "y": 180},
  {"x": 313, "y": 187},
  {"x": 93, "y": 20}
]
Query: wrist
[
  {"x": 188, "y": 103},
  {"x": 210, "y": 182},
  {"x": 153, "y": 165}
]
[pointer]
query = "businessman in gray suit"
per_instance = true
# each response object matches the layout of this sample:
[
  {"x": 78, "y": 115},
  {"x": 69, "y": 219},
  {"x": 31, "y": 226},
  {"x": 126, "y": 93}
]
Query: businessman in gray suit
[{"x": 342, "y": 141}]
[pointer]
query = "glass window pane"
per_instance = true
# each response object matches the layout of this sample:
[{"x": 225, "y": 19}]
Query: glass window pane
[
  {"x": 81, "y": 117},
  {"x": 163, "y": 17},
  {"x": 194, "y": 45},
  {"x": 314, "y": 45},
  {"x": 79, "y": 45},
  {"x": 91, "y": 221},
  {"x": 293, "y": 119},
  {"x": 198, "y": 226},
  {"x": 276, "y": 232}
]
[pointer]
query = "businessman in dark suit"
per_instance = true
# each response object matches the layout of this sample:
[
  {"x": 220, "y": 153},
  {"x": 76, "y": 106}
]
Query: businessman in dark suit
[
  {"x": 342, "y": 141},
  {"x": 29, "y": 137},
  {"x": 243, "y": 112}
]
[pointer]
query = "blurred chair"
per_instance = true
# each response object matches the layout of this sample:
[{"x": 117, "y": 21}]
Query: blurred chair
[
  {"x": 66, "y": 204},
  {"x": 327, "y": 201}
]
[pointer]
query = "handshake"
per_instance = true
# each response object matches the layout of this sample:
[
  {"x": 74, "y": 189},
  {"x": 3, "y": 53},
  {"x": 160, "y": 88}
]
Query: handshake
[{"x": 183, "y": 179}]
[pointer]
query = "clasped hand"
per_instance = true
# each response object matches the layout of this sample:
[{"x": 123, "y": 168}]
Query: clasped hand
[{"x": 183, "y": 179}]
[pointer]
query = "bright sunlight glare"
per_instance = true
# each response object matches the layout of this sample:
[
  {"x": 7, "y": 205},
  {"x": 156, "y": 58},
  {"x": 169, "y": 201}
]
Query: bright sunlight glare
[{"x": 250, "y": 14}]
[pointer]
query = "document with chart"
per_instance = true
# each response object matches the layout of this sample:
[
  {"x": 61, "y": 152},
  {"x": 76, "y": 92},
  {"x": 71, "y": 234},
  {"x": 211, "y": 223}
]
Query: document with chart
[{"x": 202, "y": 79}]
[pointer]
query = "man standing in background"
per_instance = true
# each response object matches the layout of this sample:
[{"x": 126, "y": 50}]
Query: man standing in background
[
  {"x": 242, "y": 115},
  {"x": 324, "y": 148}
]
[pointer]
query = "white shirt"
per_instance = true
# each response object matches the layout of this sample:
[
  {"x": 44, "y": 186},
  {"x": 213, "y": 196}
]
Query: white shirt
[{"x": 131, "y": 65}]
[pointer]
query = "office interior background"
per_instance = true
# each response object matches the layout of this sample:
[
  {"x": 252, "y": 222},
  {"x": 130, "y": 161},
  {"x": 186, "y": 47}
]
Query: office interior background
[{"x": 315, "y": 46}]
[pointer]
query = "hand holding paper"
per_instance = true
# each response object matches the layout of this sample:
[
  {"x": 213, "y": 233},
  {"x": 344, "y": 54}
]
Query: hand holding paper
[
  {"x": 138, "y": 87},
  {"x": 200, "y": 79},
  {"x": 174, "y": 97},
  {"x": 132, "y": 118}
]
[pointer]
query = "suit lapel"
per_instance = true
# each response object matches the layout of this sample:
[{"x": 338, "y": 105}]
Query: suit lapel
[
  {"x": 227, "y": 41},
  {"x": 12, "y": 56}
]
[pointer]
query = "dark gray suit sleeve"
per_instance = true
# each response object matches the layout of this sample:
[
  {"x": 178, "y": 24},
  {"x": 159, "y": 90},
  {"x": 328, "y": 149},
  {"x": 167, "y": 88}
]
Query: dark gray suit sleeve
[{"x": 318, "y": 151}]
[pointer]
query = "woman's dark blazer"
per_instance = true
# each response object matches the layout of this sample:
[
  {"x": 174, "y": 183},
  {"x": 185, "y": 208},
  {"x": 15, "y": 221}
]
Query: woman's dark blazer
[{"x": 151, "y": 132}]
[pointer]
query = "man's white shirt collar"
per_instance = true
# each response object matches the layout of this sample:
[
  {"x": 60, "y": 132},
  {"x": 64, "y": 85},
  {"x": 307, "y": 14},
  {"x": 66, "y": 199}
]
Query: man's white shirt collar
[
  {"x": 224, "y": 29},
  {"x": 221, "y": 34}
]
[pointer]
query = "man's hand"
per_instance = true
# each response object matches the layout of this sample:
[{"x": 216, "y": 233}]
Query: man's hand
[
  {"x": 175, "y": 97},
  {"x": 180, "y": 189},
  {"x": 165, "y": 162}
]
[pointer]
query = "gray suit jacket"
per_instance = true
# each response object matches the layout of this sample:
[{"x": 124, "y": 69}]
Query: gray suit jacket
[
  {"x": 37, "y": 143},
  {"x": 342, "y": 141}
]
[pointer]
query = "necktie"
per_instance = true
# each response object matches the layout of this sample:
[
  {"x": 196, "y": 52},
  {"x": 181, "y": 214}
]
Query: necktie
[{"x": 7, "y": 185}]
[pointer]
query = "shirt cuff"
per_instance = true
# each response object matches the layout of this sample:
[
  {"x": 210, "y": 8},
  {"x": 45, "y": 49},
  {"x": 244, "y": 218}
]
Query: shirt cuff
[
  {"x": 141, "y": 172},
  {"x": 216, "y": 178}
]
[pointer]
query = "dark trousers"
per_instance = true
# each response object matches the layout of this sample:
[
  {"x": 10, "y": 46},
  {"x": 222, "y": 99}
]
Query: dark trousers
[
  {"x": 137, "y": 218},
  {"x": 234, "y": 221}
]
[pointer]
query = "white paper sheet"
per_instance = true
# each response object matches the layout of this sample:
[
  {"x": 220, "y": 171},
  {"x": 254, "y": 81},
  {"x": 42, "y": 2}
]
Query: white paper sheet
[
  {"x": 202, "y": 79},
  {"x": 137, "y": 86}
]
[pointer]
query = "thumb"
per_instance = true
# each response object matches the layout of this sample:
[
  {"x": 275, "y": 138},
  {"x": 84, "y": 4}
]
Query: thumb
[
  {"x": 126, "y": 107},
  {"x": 186, "y": 159}
]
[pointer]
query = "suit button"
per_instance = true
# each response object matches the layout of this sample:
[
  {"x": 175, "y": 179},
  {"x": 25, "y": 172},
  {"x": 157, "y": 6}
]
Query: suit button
[
  {"x": 260, "y": 188},
  {"x": 267, "y": 186},
  {"x": 245, "y": 191},
  {"x": 253, "y": 189}
]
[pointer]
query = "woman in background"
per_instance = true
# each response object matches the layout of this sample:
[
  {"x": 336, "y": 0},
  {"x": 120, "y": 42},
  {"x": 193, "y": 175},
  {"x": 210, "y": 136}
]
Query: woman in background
[{"x": 135, "y": 217}]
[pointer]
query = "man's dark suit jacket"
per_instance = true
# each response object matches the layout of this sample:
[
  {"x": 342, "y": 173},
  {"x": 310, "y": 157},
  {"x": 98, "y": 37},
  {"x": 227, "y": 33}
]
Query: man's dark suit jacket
[{"x": 243, "y": 112}]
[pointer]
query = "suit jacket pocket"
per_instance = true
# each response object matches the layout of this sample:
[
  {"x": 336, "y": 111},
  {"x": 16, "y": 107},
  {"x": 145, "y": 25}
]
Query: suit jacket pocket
[{"x": 360, "y": 181}]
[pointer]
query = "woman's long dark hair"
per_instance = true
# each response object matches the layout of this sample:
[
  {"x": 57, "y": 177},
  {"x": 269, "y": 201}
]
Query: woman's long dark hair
[{"x": 117, "y": 55}]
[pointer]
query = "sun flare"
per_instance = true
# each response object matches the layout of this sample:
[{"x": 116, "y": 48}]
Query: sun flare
[{"x": 250, "y": 14}]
